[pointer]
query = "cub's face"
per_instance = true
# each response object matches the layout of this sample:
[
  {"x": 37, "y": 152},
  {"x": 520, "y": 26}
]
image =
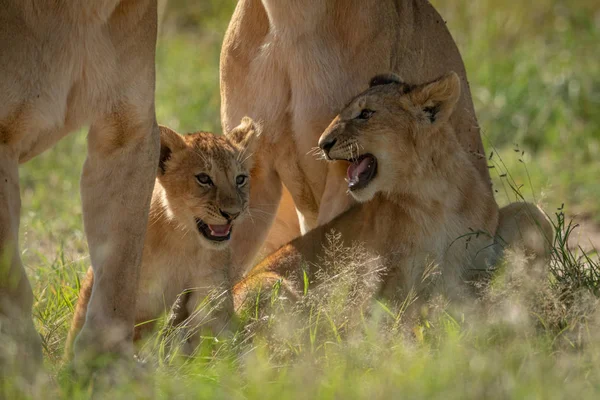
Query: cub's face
[
  {"x": 379, "y": 133},
  {"x": 206, "y": 180}
]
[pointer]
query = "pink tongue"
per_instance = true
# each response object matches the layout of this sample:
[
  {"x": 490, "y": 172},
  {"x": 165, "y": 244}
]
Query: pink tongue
[
  {"x": 219, "y": 230},
  {"x": 355, "y": 169}
]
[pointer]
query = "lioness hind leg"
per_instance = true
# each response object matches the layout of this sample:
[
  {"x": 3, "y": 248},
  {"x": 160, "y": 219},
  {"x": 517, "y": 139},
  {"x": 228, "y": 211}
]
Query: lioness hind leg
[
  {"x": 335, "y": 198},
  {"x": 20, "y": 345},
  {"x": 116, "y": 188},
  {"x": 286, "y": 226},
  {"x": 525, "y": 227},
  {"x": 250, "y": 234}
]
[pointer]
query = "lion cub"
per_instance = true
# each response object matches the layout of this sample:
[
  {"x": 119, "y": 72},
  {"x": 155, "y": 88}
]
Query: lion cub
[
  {"x": 422, "y": 200},
  {"x": 201, "y": 193}
]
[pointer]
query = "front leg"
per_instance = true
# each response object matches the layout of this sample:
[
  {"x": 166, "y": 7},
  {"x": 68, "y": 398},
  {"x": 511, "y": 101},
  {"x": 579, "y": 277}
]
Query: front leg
[
  {"x": 336, "y": 199},
  {"x": 117, "y": 183},
  {"x": 209, "y": 313},
  {"x": 116, "y": 188},
  {"x": 265, "y": 193},
  {"x": 17, "y": 331}
]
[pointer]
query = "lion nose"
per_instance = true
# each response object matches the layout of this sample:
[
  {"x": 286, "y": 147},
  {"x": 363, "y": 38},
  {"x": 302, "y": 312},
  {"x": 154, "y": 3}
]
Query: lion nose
[
  {"x": 327, "y": 143},
  {"x": 229, "y": 216}
]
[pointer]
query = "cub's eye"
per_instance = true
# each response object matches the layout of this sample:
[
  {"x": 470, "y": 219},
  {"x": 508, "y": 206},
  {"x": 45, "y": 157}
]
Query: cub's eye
[
  {"x": 241, "y": 180},
  {"x": 365, "y": 114},
  {"x": 204, "y": 180}
]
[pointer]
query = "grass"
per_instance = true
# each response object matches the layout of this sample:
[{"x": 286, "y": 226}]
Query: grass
[
  {"x": 534, "y": 84},
  {"x": 535, "y": 79}
]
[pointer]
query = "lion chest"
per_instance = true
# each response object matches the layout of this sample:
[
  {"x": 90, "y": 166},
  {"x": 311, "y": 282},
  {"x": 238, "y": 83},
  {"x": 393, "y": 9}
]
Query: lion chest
[
  {"x": 166, "y": 274},
  {"x": 322, "y": 80}
]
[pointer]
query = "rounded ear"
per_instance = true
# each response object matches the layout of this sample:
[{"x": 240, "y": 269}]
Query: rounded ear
[
  {"x": 385, "y": 79},
  {"x": 391, "y": 78},
  {"x": 170, "y": 142},
  {"x": 245, "y": 135},
  {"x": 437, "y": 99}
]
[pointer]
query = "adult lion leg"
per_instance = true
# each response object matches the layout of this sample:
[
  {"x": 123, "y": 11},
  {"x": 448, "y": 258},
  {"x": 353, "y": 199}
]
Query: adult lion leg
[
  {"x": 524, "y": 227},
  {"x": 297, "y": 211},
  {"x": 525, "y": 230},
  {"x": 286, "y": 226},
  {"x": 20, "y": 345},
  {"x": 289, "y": 168},
  {"x": 272, "y": 217},
  {"x": 116, "y": 187},
  {"x": 250, "y": 234},
  {"x": 335, "y": 198}
]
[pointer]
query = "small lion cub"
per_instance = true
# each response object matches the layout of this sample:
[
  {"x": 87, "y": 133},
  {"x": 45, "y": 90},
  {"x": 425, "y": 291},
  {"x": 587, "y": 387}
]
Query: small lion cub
[{"x": 202, "y": 190}]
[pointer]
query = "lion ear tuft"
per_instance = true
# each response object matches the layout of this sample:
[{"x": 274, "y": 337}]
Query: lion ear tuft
[
  {"x": 170, "y": 142},
  {"x": 245, "y": 135}
]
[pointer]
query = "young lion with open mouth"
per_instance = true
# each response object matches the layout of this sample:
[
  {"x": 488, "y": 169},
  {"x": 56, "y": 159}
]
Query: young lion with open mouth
[
  {"x": 421, "y": 201},
  {"x": 201, "y": 193}
]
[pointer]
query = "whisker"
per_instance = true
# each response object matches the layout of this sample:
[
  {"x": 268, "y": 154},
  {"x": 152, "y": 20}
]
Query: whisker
[
  {"x": 264, "y": 212},
  {"x": 202, "y": 156},
  {"x": 245, "y": 159},
  {"x": 240, "y": 155},
  {"x": 258, "y": 217}
]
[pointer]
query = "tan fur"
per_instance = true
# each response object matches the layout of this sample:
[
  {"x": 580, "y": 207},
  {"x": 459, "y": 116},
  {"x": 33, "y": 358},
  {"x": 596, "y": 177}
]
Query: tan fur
[
  {"x": 176, "y": 256},
  {"x": 65, "y": 64},
  {"x": 425, "y": 205},
  {"x": 295, "y": 64},
  {"x": 525, "y": 228},
  {"x": 283, "y": 228}
]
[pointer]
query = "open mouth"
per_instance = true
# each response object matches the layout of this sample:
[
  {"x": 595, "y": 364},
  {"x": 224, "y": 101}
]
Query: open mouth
[
  {"x": 216, "y": 233},
  {"x": 362, "y": 171}
]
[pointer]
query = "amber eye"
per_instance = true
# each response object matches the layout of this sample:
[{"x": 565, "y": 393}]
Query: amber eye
[
  {"x": 241, "y": 180},
  {"x": 365, "y": 114},
  {"x": 204, "y": 180}
]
